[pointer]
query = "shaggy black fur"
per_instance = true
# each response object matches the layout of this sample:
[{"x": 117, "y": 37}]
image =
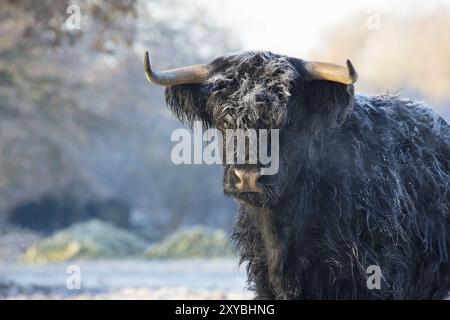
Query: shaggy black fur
[{"x": 362, "y": 181}]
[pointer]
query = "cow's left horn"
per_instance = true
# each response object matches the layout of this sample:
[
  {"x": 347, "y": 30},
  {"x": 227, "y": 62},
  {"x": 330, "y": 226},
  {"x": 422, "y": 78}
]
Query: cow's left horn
[
  {"x": 331, "y": 72},
  {"x": 184, "y": 75}
]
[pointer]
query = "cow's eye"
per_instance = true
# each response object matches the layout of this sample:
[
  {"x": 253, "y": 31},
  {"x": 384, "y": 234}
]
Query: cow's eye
[{"x": 228, "y": 122}]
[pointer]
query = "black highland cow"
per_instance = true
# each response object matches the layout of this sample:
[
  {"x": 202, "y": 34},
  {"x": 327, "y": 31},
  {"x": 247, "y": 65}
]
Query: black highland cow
[{"x": 363, "y": 180}]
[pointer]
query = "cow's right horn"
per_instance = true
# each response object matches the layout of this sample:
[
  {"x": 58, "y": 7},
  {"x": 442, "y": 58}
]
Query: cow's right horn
[{"x": 184, "y": 75}]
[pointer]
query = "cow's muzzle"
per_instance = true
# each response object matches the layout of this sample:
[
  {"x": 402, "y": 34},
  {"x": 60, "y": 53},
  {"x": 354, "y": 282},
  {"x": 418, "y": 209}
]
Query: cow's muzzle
[{"x": 247, "y": 181}]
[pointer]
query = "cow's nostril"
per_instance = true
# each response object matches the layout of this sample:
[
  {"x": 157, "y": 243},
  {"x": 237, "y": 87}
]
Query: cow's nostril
[
  {"x": 247, "y": 180},
  {"x": 239, "y": 174}
]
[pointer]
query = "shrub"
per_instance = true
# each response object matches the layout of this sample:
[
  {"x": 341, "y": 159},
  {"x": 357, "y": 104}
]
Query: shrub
[
  {"x": 192, "y": 242},
  {"x": 93, "y": 239}
]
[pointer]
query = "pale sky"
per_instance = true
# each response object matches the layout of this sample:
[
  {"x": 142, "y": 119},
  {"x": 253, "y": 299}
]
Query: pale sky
[{"x": 294, "y": 27}]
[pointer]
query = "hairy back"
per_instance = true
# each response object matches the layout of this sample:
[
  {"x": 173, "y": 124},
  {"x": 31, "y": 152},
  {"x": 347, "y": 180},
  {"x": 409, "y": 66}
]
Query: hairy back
[{"x": 382, "y": 197}]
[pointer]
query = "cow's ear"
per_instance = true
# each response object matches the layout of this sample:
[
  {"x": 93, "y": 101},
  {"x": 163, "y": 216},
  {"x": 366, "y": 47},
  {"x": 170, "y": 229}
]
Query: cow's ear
[
  {"x": 323, "y": 102},
  {"x": 328, "y": 101},
  {"x": 187, "y": 102}
]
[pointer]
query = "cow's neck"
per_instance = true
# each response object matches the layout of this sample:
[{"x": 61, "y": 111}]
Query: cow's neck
[
  {"x": 274, "y": 225},
  {"x": 284, "y": 231}
]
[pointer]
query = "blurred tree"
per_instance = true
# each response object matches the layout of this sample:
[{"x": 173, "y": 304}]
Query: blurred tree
[
  {"x": 36, "y": 103},
  {"x": 36, "y": 23},
  {"x": 77, "y": 116},
  {"x": 410, "y": 53}
]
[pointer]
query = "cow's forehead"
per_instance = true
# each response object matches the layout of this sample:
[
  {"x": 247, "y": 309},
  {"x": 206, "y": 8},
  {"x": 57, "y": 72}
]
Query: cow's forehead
[
  {"x": 251, "y": 64},
  {"x": 251, "y": 89}
]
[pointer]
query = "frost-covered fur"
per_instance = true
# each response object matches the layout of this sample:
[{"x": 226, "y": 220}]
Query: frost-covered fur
[
  {"x": 362, "y": 181},
  {"x": 253, "y": 92},
  {"x": 249, "y": 90},
  {"x": 375, "y": 191}
]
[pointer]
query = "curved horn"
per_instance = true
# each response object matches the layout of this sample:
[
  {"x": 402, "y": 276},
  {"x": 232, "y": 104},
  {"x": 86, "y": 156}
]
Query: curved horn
[
  {"x": 184, "y": 75},
  {"x": 331, "y": 72}
]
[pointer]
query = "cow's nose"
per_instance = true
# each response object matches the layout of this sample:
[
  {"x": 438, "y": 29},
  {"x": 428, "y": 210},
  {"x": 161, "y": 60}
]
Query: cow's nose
[{"x": 247, "y": 181}]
